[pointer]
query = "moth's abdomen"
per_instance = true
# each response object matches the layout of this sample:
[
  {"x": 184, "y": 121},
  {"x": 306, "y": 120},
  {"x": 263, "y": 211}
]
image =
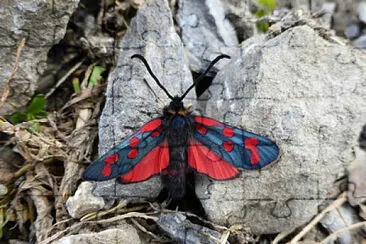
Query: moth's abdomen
[{"x": 174, "y": 176}]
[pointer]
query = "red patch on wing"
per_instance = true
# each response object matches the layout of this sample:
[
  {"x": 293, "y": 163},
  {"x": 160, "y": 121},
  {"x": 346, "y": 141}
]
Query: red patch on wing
[
  {"x": 107, "y": 169},
  {"x": 207, "y": 162},
  {"x": 228, "y": 146},
  {"x": 153, "y": 163},
  {"x": 134, "y": 142},
  {"x": 228, "y": 132},
  {"x": 207, "y": 121},
  {"x": 157, "y": 132},
  {"x": 251, "y": 144},
  {"x": 150, "y": 126},
  {"x": 201, "y": 129},
  {"x": 111, "y": 159},
  {"x": 132, "y": 153}
]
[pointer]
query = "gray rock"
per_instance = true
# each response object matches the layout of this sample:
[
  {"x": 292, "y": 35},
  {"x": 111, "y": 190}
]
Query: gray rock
[
  {"x": 238, "y": 12},
  {"x": 205, "y": 32},
  {"x": 362, "y": 11},
  {"x": 3, "y": 190},
  {"x": 352, "y": 31},
  {"x": 328, "y": 9},
  {"x": 146, "y": 189},
  {"x": 340, "y": 218},
  {"x": 317, "y": 5},
  {"x": 346, "y": 14},
  {"x": 314, "y": 5},
  {"x": 300, "y": 4},
  {"x": 180, "y": 229},
  {"x": 14, "y": 241},
  {"x": 356, "y": 178},
  {"x": 129, "y": 102},
  {"x": 127, "y": 235},
  {"x": 308, "y": 95},
  {"x": 42, "y": 24},
  {"x": 360, "y": 42},
  {"x": 84, "y": 201}
]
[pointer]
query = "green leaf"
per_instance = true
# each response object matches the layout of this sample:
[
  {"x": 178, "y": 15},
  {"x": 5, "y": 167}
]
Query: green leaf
[
  {"x": 30, "y": 117},
  {"x": 35, "y": 110},
  {"x": 35, "y": 127},
  {"x": 263, "y": 26},
  {"x": 2, "y": 218},
  {"x": 260, "y": 13},
  {"x": 95, "y": 76},
  {"x": 267, "y": 4},
  {"x": 37, "y": 105},
  {"x": 76, "y": 85},
  {"x": 265, "y": 7},
  {"x": 41, "y": 114},
  {"x": 18, "y": 117}
]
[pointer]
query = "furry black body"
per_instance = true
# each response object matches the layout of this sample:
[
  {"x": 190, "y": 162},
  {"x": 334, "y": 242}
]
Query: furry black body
[{"x": 178, "y": 131}]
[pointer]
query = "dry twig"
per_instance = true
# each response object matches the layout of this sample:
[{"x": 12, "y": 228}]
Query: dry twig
[
  {"x": 125, "y": 216},
  {"x": 282, "y": 235},
  {"x": 63, "y": 78},
  {"x": 143, "y": 229},
  {"x": 93, "y": 215},
  {"x": 337, "y": 203},
  {"x": 224, "y": 237},
  {"x": 7, "y": 87}
]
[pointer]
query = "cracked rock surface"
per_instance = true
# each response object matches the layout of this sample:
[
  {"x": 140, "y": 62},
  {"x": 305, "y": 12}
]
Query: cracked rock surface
[
  {"x": 303, "y": 91},
  {"x": 42, "y": 24},
  {"x": 84, "y": 201},
  {"x": 124, "y": 234},
  {"x": 307, "y": 94},
  {"x": 180, "y": 229},
  {"x": 206, "y": 32}
]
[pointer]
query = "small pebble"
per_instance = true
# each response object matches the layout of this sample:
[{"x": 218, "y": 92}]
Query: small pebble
[
  {"x": 3, "y": 190},
  {"x": 362, "y": 11},
  {"x": 352, "y": 31},
  {"x": 360, "y": 42}
]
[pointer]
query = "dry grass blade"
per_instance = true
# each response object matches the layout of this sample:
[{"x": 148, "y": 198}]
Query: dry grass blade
[
  {"x": 215, "y": 226},
  {"x": 80, "y": 144},
  {"x": 282, "y": 235},
  {"x": 143, "y": 229},
  {"x": 38, "y": 188},
  {"x": 337, "y": 203},
  {"x": 224, "y": 237},
  {"x": 125, "y": 216},
  {"x": 34, "y": 147},
  {"x": 7, "y": 87},
  {"x": 87, "y": 93},
  {"x": 74, "y": 227},
  {"x": 90, "y": 216},
  {"x": 63, "y": 78},
  {"x": 61, "y": 233}
]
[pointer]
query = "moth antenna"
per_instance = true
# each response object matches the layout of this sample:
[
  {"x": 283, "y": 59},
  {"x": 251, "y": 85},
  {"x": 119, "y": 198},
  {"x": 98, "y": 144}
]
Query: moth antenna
[
  {"x": 195, "y": 82},
  {"x": 152, "y": 74},
  {"x": 153, "y": 92}
]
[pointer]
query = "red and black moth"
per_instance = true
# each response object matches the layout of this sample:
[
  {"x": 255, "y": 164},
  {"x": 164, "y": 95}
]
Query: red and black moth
[{"x": 179, "y": 142}]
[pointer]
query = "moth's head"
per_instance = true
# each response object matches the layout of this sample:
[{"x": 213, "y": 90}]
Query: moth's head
[{"x": 176, "y": 106}]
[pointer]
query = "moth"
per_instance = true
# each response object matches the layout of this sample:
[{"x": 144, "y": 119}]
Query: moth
[{"x": 179, "y": 142}]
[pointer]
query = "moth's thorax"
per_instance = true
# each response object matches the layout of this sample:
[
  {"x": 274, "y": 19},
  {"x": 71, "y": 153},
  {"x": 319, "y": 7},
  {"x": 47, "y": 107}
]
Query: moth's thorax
[
  {"x": 176, "y": 107},
  {"x": 178, "y": 121}
]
